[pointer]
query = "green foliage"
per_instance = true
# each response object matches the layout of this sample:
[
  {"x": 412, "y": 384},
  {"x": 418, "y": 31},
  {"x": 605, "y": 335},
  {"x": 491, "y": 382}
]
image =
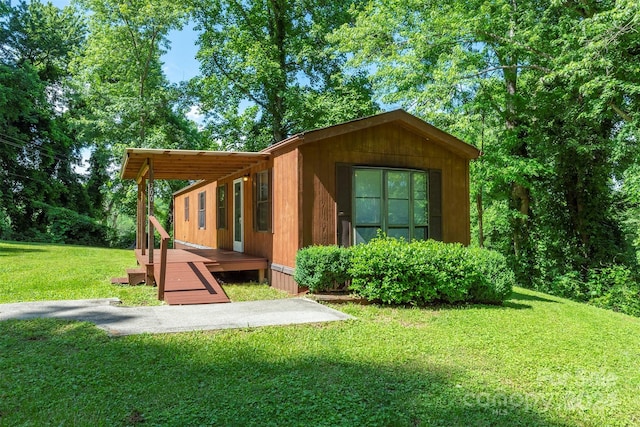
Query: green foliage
[
  {"x": 496, "y": 280},
  {"x": 268, "y": 71},
  {"x": 534, "y": 85},
  {"x": 615, "y": 288},
  {"x": 38, "y": 149},
  {"x": 396, "y": 272},
  {"x": 66, "y": 226},
  {"x": 322, "y": 268}
]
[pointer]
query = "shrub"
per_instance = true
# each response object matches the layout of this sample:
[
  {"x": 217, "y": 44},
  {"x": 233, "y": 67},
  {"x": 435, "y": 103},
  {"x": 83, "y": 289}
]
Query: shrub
[
  {"x": 322, "y": 268},
  {"x": 386, "y": 269},
  {"x": 396, "y": 272},
  {"x": 496, "y": 281},
  {"x": 70, "y": 227},
  {"x": 615, "y": 288}
]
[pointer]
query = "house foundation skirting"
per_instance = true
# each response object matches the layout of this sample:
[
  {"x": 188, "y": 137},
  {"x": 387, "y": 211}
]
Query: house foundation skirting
[{"x": 282, "y": 278}]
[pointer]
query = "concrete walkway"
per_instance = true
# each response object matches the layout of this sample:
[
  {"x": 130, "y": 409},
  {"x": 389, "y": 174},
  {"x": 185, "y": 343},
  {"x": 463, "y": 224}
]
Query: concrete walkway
[{"x": 107, "y": 314}]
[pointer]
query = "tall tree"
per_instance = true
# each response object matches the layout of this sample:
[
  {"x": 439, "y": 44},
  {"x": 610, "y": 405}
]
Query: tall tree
[
  {"x": 268, "y": 70},
  {"x": 37, "y": 148},
  {"x": 129, "y": 102},
  {"x": 512, "y": 74},
  {"x": 122, "y": 69}
]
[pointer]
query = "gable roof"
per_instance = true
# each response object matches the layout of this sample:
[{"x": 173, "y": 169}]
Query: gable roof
[
  {"x": 214, "y": 165},
  {"x": 400, "y": 117}
]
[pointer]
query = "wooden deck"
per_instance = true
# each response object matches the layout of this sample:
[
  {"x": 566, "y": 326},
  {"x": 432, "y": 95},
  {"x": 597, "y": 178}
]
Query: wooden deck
[{"x": 188, "y": 277}]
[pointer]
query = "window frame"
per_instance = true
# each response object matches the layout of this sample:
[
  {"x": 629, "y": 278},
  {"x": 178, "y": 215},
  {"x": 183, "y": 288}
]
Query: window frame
[
  {"x": 262, "y": 204},
  {"x": 384, "y": 209},
  {"x": 221, "y": 206},
  {"x": 186, "y": 209},
  {"x": 202, "y": 210}
]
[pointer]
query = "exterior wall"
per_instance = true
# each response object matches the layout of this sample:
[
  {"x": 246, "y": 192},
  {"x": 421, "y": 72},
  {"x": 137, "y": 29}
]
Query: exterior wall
[
  {"x": 303, "y": 194},
  {"x": 279, "y": 245},
  {"x": 286, "y": 210},
  {"x": 386, "y": 145},
  {"x": 187, "y": 230},
  {"x": 257, "y": 243}
]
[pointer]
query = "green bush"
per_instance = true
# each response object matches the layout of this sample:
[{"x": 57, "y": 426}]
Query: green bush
[
  {"x": 322, "y": 268},
  {"x": 70, "y": 227},
  {"x": 495, "y": 281},
  {"x": 389, "y": 270},
  {"x": 615, "y": 288},
  {"x": 396, "y": 272}
]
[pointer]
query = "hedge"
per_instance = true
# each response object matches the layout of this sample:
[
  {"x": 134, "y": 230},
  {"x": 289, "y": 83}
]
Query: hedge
[
  {"x": 396, "y": 272},
  {"x": 322, "y": 268},
  {"x": 421, "y": 272}
]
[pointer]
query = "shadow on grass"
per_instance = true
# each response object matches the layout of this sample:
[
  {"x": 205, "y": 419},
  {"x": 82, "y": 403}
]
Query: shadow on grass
[
  {"x": 12, "y": 251},
  {"x": 56, "y": 372},
  {"x": 524, "y": 297}
]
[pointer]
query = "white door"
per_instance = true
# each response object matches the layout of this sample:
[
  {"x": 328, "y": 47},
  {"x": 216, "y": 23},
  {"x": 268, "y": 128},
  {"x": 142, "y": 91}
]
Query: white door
[{"x": 238, "y": 220}]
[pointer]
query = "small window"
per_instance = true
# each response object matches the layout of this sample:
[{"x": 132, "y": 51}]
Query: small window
[
  {"x": 202, "y": 210},
  {"x": 221, "y": 205},
  {"x": 186, "y": 208},
  {"x": 262, "y": 201}
]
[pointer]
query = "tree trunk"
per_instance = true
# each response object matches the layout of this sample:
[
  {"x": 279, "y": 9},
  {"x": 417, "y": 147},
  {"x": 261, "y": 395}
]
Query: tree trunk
[
  {"x": 480, "y": 219},
  {"x": 278, "y": 36}
]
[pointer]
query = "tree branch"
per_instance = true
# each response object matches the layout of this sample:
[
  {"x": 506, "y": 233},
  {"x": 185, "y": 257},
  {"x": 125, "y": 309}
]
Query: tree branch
[
  {"x": 514, "y": 42},
  {"x": 625, "y": 116},
  {"x": 246, "y": 91},
  {"x": 507, "y": 67}
]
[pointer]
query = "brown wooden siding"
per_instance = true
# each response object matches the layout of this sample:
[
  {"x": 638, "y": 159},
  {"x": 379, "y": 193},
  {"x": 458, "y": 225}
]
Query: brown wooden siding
[
  {"x": 304, "y": 187},
  {"x": 286, "y": 211},
  {"x": 255, "y": 242},
  {"x": 387, "y": 145},
  {"x": 188, "y": 231}
]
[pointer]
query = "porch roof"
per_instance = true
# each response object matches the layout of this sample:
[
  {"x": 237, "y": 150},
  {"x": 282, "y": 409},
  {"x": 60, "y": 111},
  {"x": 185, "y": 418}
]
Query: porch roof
[{"x": 187, "y": 164}]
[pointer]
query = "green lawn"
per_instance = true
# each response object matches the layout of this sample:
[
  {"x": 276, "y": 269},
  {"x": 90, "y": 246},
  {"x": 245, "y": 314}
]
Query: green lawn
[
  {"x": 537, "y": 360},
  {"x": 38, "y": 272}
]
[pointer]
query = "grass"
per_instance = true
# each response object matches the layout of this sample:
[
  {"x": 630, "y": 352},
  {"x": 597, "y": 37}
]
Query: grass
[
  {"x": 537, "y": 360},
  {"x": 40, "y": 272}
]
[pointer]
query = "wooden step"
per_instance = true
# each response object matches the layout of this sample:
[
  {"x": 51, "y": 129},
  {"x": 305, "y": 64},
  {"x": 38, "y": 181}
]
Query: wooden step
[
  {"x": 136, "y": 276},
  {"x": 199, "y": 296}
]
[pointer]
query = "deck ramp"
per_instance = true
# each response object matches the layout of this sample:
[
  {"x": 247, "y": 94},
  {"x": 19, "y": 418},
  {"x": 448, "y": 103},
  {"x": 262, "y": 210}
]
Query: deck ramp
[{"x": 190, "y": 282}]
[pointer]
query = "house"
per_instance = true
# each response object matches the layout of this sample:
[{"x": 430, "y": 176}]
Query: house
[{"x": 335, "y": 185}]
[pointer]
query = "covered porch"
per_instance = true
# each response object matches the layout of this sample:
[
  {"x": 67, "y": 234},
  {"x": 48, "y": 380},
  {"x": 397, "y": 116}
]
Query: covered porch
[{"x": 183, "y": 276}]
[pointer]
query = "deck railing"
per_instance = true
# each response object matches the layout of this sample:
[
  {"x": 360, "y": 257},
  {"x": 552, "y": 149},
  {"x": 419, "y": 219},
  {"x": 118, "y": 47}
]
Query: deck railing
[{"x": 164, "y": 245}]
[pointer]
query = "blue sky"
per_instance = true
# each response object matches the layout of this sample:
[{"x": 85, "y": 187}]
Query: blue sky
[{"x": 180, "y": 62}]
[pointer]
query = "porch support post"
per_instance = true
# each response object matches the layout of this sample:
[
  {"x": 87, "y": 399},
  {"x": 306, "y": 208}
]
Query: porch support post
[
  {"x": 141, "y": 241},
  {"x": 151, "y": 241},
  {"x": 140, "y": 218}
]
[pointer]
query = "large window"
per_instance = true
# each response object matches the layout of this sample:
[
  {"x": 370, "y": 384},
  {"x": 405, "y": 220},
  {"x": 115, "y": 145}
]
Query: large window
[
  {"x": 392, "y": 200},
  {"x": 202, "y": 210},
  {"x": 221, "y": 202},
  {"x": 262, "y": 201}
]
